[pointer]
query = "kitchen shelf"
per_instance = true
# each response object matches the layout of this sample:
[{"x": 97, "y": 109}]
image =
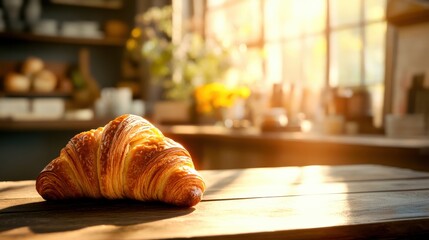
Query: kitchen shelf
[
  {"x": 115, "y": 42},
  {"x": 32, "y": 94},
  {"x": 403, "y": 13},
  {"x": 50, "y": 125},
  {"x": 92, "y": 4}
]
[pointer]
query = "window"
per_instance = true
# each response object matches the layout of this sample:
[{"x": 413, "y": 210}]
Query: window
[{"x": 309, "y": 44}]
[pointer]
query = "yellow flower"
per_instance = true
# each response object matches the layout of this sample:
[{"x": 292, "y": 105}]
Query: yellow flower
[
  {"x": 243, "y": 92},
  {"x": 217, "y": 95}
]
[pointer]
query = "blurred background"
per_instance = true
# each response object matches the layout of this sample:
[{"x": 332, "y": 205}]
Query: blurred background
[{"x": 240, "y": 83}]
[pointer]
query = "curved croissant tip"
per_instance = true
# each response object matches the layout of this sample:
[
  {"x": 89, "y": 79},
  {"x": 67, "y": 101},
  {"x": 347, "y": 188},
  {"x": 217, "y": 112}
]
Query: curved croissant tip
[{"x": 194, "y": 196}]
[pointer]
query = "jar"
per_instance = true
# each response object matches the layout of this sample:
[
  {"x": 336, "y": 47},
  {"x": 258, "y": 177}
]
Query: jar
[{"x": 275, "y": 119}]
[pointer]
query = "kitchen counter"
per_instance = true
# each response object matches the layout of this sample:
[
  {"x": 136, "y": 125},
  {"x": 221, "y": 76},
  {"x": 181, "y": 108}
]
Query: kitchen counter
[
  {"x": 222, "y": 132},
  {"x": 34, "y": 143},
  {"x": 221, "y": 148},
  {"x": 256, "y": 134},
  {"x": 313, "y": 202}
]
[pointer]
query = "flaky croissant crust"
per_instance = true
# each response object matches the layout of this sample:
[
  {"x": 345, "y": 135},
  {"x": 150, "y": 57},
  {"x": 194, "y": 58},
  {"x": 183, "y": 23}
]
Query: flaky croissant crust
[{"x": 128, "y": 158}]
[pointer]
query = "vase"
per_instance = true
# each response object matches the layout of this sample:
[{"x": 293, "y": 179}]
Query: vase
[
  {"x": 12, "y": 10},
  {"x": 154, "y": 92},
  {"x": 33, "y": 12}
]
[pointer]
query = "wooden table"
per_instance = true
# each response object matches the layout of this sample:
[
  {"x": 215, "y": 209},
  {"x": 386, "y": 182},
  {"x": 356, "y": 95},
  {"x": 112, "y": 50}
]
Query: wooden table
[{"x": 355, "y": 201}]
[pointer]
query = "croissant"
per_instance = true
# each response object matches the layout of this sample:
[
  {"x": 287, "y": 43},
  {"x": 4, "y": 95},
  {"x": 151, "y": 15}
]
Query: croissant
[{"x": 128, "y": 158}]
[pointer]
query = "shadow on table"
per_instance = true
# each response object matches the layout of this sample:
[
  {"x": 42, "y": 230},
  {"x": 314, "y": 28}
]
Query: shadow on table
[
  {"x": 45, "y": 217},
  {"x": 220, "y": 183}
]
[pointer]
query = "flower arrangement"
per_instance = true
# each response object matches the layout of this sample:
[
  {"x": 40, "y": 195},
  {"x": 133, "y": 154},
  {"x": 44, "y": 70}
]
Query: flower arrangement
[
  {"x": 181, "y": 66},
  {"x": 149, "y": 45},
  {"x": 194, "y": 68},
  {"x": 215, "y": 96},
  {"x": 197, "y": 62}
]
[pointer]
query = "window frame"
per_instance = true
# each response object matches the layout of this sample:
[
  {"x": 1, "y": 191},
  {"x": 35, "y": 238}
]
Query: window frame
[
  {"x": 327, "y": 34},
  {"x": 376, "y": 87}
]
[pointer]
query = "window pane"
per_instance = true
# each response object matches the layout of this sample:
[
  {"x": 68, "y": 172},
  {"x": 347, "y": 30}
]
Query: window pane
[
  {"x": 345, "y": 58},
  {"x": 228, "y": 25},
  {"x": 273, "y": 53},
  {"x": 217, "y": 26},
  {"x": 314, "y": 62},
  {"x": 251, "y": 66},
  {"x": 312, "y": 15},
  {"x": 292, "y": 25},
  {"x": 292, "y": 62},
  {"x": 374, "y": 9},
  {"x": 275, "y": 14},
  {"x": 215, "y": 3},
  {"x": 291, "y": 18},
  {"x": 374, "y": 53},
  {"x": 282, "y": 18},
  {"x": 246, "y": 27},
  {"x": 344, "y": 12}
]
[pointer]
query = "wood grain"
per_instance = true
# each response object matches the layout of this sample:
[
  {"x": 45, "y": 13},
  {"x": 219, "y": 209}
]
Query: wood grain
[
  {"x": 130, "y": 220},
  {"x": 364, "y": 201},
  {"x": 282, "y": 181}
]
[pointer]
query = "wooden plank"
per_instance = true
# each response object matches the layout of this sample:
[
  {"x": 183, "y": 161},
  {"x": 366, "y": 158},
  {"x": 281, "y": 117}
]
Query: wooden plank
[
  {"x": 270, "y": 182},
  {"x": 234, "y": 191},
  {"x": 319, "y": 173},
  {"x": 287, "y": 181},
  {"x": 20, "y": 189},
  {"x": 279, "y": 190},
  {"x": 387, "y": 214}
]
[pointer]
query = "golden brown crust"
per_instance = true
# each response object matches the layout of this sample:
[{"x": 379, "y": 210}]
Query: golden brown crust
[{"x": 127, "y": 158}]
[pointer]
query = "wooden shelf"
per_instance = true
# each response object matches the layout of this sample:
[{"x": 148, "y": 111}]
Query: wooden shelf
[
  {"x": 92, "y": 3},
  {"x": 59, "y": 39},
  {"x": 58, "y": 94},
  {"x": 403, "y": 13},
  {"x": 50, "y": 125}
]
